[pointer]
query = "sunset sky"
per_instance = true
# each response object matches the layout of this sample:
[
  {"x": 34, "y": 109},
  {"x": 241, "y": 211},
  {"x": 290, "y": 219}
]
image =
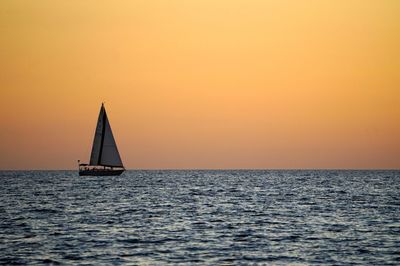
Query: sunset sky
[{"x": 211, "y": 84}]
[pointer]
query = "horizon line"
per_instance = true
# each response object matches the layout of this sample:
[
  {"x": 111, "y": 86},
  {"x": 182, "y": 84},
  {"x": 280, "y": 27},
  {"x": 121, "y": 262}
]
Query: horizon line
[{"x": 225, "y": 169}]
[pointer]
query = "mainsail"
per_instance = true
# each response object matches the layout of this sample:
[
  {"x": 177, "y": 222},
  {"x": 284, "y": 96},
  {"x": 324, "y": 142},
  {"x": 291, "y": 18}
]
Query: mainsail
[{"x": 104, "y": 149}]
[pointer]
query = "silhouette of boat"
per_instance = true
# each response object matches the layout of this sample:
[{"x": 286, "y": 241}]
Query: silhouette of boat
[{"x": 104, "y": 159}]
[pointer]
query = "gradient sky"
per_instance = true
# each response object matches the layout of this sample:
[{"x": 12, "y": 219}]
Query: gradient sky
[{"x": 202, "y": 84}]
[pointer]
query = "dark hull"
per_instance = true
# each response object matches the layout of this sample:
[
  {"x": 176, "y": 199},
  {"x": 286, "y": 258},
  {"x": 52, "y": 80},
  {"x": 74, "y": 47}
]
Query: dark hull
[{"x": 100, "y": 172}]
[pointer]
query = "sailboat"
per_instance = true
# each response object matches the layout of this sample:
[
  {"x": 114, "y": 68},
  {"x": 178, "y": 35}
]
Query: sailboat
[{"x": 104, "y": 159}]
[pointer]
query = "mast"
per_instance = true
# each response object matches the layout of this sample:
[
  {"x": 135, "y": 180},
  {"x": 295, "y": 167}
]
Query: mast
[{"x": 102, "y": 132}]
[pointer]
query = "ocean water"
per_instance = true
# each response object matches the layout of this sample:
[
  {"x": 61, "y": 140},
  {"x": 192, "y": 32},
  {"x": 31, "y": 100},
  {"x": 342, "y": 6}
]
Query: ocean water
[{"x": 201, "y": 217}]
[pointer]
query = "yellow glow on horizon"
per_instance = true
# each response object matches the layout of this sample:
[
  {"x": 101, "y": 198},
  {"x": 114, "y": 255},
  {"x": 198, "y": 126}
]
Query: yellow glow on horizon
[{"x": 202, "y": 84}]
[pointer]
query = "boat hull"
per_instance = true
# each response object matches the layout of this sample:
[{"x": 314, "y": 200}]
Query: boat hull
[{"x": 100, "y": 172}]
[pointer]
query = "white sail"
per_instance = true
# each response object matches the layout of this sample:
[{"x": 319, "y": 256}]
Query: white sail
[{"x": 104, "y": 149}]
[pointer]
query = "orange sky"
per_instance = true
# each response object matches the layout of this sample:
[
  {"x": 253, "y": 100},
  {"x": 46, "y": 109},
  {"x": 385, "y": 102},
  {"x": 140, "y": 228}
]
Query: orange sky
[{"x": 202, "y": 84}]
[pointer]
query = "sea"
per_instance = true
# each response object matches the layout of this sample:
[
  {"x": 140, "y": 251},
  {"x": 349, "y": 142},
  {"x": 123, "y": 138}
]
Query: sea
[{"x": 201, "y": 217}]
